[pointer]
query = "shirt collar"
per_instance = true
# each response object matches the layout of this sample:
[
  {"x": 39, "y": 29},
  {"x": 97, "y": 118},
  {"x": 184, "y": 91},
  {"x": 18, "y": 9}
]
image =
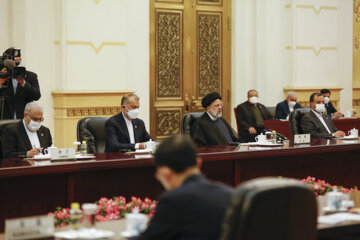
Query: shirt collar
[{"x": 212, "y": 117}]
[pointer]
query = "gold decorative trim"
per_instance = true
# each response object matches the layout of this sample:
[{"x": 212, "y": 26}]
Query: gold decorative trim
[
  {"x": 98, "y": 111},
  {"x": 316, "y": 11},
  {"x": 97, "y": 1},
  {"x": 57, "y": 42},
  {"x": 96, "y": 49},
  {"x": 316, "y": 52},
  {"x": 357, "y": 10}
]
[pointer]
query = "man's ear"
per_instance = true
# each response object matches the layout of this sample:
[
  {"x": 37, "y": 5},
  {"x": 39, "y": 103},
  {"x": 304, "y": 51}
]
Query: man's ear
[
  {"x": 165, "y": 172},
  {"x": 199, "y": 162}
]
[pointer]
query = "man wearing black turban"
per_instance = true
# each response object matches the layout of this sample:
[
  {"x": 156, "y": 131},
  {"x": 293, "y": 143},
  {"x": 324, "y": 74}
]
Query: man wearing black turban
[{"x": 211, "y": 128}]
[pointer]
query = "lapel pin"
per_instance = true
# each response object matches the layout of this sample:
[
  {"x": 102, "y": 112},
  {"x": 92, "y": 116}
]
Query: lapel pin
[
  {"x": 42, "y": 134},
  {"x": 135, "y": 126}
]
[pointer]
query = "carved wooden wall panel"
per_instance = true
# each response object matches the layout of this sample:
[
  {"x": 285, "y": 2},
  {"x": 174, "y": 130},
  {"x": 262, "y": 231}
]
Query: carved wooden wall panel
[
  {"x": 169, "y": 54},
  {"x": 209, "y": 53},
  {"x": 209, "y": 2},
  {"x": 168, "y": 122}
]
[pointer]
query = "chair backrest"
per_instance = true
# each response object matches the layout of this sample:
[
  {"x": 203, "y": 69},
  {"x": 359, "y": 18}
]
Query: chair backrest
[
  {"x": 188, "y": 120},
  {"x": 271, "y": 111},
  {"x": 92, "y": 130},
  {"x": 3, "y": 124},
  {"x": 271, "y": 208},
  {"x": 295, "y": 120}
]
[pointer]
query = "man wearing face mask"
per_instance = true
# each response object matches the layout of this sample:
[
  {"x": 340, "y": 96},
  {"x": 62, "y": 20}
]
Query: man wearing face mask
[
  {"x": 283, "y": 109},
  {"x": 28, "y": 137},
  {"x": 330, "y": 109},
  {"x": 124, "y": 131},
  {"x": 211, "y": 128},
  {"x": 250, "y": 117},
  {"x": 317, "y": 122},
  {"x": 17, "y": 92}
]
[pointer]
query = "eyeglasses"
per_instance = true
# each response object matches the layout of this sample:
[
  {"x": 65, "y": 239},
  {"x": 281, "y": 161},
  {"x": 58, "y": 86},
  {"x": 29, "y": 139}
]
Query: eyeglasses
[{"x": 36, "y": 119}]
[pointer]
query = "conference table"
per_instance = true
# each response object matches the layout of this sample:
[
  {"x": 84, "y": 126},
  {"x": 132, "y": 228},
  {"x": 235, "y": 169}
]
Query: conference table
[
  {"x": 34, "y": 187},
  {"x": 282, "y": 127}
]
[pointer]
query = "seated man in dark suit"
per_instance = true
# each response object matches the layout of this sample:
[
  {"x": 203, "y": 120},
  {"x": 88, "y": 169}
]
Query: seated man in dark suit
[
  {"x": 330, "y": 109},
  {"x": 317, "y": 122},
  {"x": 250, "y": 117},
  {"x": 28, "y": 137},
  {"x": 193, "y": 207},
  {"x": 124, "y": 131},
  {"x": 284, "y": 108},
  {"x": 211, "y": 128}
]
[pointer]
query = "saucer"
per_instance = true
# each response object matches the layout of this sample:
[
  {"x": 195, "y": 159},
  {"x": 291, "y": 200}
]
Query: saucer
[
  {"x": 128, "y": 234},
  {"x": 328, "y": 210},
  {"x": 84, "y": 233}
]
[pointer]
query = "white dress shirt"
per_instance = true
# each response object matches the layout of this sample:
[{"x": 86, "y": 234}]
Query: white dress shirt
[
  {"x": 33, "y": 137},
  {"x": 131, "y": 131},
  {"x": 321, "y": 120}
]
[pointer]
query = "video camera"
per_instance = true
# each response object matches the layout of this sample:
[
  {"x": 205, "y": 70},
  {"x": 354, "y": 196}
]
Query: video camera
[{"x": 8, "y": 62}]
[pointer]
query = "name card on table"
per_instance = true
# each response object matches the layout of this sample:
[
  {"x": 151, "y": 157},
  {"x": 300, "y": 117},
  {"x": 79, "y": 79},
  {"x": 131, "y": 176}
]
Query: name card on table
[
  {"x": 302, "y": 138},
  {"x": 29, "y": 228},
  {"x": 63, "y": 153}
]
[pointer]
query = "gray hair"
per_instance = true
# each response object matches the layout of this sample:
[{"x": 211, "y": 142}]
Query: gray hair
[
  {"x": 126, "y": 97},
  {"x": 32, "y": 105},
  {"x": 292, "y": 94}
]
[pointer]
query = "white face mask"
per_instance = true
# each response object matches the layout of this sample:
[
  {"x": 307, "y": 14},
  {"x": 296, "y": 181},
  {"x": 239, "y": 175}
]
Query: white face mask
[
  {"x": 326, "y": 100},
  {"x": 320, "y": 108},
  {"x": 33, "y": 126},
  {"x": 133, "y": 114},
  {"x": 254, "y": 100},
  {"x": 216, "y": 114},
  {"x": 292, "y": 104}
]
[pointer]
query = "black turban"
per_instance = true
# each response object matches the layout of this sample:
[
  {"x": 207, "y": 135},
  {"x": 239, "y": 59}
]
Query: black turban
[{"x": 208, "y": 99}]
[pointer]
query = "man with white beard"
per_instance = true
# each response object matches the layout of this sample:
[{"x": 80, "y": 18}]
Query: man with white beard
[{"x": 211, "y": 128}]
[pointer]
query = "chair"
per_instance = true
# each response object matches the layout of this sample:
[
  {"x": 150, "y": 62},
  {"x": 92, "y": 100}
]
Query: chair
[
  {"x": 295, "y": 120},
  {"x": 92, "y": 130},
  {"x": 271, "y": 208},
  {"x": 3, "y": 124},
  {"x": 188, "y": 120}
]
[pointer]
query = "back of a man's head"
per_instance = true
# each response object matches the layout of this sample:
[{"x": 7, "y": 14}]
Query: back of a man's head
[{"x": 177, "y": 152}]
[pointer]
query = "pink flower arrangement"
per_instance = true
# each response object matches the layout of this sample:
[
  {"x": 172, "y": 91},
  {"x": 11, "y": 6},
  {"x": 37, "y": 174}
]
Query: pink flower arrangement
[
  {"x": 321, "y": 187},
  {"x": 109, "y": 209}
]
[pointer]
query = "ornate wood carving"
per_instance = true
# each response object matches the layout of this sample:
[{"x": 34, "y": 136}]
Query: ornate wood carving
[
  {"x": 167, "y": 122},
  {"x": 357, "y": 10},
  {"x": 99, "y": 111},
  {"x": 209, "y": 53},
  {"x": 169, "y": 59}
]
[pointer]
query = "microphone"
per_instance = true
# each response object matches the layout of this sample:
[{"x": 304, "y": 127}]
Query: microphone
[{"x": 10, "y": 64}]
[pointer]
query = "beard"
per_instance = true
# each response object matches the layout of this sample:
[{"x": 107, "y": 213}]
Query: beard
[{"x": 216, "y": 114}]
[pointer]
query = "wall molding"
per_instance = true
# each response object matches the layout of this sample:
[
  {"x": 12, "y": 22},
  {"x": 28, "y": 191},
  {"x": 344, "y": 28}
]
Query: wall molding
[
  {"x": 92, "y": 45},
  {"x": 312, "y": 7},
  {"x": 313, "y": 49}
]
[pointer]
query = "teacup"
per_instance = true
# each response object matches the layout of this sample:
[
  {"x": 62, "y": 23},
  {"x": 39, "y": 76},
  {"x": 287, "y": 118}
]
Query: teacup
[
  {"x": 334, "y": 200},
  {"x": 50, "y": 150},
  {"x": 260, "y": 138},
  {"x": 348, "y": 114},
  {"x": 136, "y": 223},
  {"x": 353, "y": 132}
]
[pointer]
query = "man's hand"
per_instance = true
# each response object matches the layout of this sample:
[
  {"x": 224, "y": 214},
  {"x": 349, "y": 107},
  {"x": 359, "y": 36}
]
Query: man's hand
[
  {"x": 337, "y": 115},
  {"x": 21, "y": 81},
  {"x": 3, "y": 80},
  {"x": 142, "y": 145},
  {"x": 339, "y": 134},
  {"x": 35, "y": 151},
  {"x": 252, "y": 130}
]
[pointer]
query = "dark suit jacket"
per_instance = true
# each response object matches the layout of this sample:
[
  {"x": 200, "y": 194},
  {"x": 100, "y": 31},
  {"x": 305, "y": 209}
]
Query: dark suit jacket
[
  {"x": 205, "y": 132},
  {"x": 16, "y": 102},
  {"x": 117, "y": 135},
  {"x": 310, "y": 123},
  {"x": 194, "y": 211},
  {"x": 330, "y": 109},
  {"x": 15, "y": 141},
  {"x": 282, "y": 109},
  {"x": 245, "y": 118}
]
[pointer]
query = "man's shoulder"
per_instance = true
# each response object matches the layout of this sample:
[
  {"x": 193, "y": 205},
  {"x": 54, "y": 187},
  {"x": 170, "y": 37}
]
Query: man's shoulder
[
  {"x": 31, "y": 75},
  {"x": 244, "y": 104},
  {"x": 282, "y": 103},
  {"x": 115, "y": 118},
  {"x": 308, "y": 116}
]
